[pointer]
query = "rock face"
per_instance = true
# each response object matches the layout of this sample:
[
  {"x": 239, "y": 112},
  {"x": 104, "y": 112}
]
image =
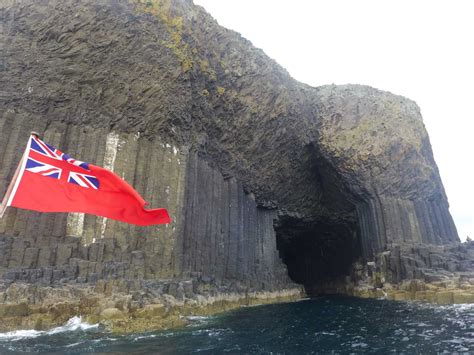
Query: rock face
[{"x": 270, "y": 183}]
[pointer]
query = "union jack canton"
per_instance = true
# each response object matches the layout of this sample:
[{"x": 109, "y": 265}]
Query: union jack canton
[{"x": 57, "y": 172}]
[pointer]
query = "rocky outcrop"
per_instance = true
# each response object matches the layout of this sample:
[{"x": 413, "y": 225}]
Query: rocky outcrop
[
  {"x": 270, "y": 183},
  {"x": 126, "y": 305},
  {"x": 431, "y": 273}
]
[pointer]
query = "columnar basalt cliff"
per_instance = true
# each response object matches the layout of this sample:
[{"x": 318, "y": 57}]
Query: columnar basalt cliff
[{"x": 272, "y": 185}]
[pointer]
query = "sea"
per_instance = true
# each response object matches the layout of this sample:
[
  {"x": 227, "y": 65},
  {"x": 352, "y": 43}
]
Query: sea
[{"x": 322, "y": 325}]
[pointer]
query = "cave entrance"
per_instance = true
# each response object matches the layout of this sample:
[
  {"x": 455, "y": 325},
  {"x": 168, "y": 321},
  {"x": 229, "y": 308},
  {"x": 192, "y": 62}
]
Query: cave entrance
[
  {"x": 318, "y": 255},
  {"x": 320, "y": 242}
]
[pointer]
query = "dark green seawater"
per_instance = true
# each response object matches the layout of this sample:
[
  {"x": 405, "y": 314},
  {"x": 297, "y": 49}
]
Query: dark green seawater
[{"x": 322, "y": 325}]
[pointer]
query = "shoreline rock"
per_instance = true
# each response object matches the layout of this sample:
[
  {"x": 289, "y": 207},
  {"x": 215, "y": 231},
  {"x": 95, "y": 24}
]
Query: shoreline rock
[
  {"x": 439, "y": 274},
  {"x": 117, "y": 311},
  {"x": 120, "y": 313}
]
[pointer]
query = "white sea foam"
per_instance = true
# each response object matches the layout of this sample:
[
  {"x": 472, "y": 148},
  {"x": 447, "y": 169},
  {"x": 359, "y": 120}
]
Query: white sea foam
[
  {"x": 148, "y": 336},
  {"x": 20, "y": 334},
  {"x": 421, "y": 324},
  {"x": 75, "y": 323},
  {"x": 198, "y": 317}
]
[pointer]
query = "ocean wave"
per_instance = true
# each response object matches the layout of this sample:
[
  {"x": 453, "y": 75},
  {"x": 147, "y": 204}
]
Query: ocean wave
[{"x": 73, "y": 324}]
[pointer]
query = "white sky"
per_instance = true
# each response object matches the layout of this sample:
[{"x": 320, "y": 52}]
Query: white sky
[{"x": 421, "y": 49}]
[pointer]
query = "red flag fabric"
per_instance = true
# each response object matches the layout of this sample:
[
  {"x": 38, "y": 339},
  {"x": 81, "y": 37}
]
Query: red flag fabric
[{"x": 51, "y": 181}]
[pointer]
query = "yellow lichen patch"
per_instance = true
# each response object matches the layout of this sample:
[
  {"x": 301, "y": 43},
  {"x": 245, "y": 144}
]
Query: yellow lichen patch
[
  {"x": 220, "y": 90},
  {"x": 205, "y": 93},
  {"x": 207, "y": 69},
  {"x": 174, "y": 26},
  {"x": 163, "y": 9},
  {"x": 223, "y": 64}
]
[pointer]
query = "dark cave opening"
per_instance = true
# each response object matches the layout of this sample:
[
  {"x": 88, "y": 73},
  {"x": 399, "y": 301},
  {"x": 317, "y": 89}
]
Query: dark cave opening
[
  {"x": 320, "y": 245},
  {"x": 317, "y": 255}
]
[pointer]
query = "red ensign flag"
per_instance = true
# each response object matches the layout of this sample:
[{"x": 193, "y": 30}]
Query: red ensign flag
[{"x": 51, "y": 181}]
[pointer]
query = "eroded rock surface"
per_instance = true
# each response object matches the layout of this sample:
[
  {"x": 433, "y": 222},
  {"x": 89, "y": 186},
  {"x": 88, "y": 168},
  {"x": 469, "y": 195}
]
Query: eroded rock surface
[{"x": 271, "y": 184}]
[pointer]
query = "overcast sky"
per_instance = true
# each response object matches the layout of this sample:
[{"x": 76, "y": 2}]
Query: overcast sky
[{"x": 421, "y": 49}]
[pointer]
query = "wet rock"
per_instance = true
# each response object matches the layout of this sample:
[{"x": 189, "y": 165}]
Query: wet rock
[
  {"x": 444, "y": 297},
  {"x": 463, "y": 297},
  {"x": 151, "y": 311},
  {"x": 111, "y": 313}
]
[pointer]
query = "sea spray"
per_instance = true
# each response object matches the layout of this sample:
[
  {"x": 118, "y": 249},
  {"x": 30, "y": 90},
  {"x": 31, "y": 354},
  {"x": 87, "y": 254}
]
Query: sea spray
[{"x": 73, "y": 324}]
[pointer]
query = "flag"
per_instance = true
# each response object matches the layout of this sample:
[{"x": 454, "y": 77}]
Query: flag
[{"x": 51, "y": 181}]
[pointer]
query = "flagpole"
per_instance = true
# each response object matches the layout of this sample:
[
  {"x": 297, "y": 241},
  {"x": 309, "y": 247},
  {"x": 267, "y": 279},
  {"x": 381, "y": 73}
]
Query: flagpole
[
  {"x": 10, "y": 188},
  {"x": 4, "y": 206}
]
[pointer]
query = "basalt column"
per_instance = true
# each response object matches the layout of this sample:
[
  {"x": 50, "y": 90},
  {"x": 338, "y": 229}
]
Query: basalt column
[
  {"x": 225, "y": 235},
  {"x": 217, "y": 230},
  {"x": 377, "y": 143},
  {"x": 203, "y": 123}
]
